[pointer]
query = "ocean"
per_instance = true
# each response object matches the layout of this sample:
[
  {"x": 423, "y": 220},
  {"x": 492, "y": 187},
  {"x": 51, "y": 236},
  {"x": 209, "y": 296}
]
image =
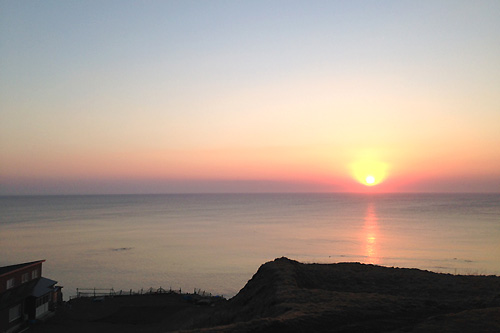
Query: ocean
[{"x": 216, "y": 242}]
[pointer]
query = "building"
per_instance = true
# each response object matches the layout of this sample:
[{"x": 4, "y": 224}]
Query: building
[{"x": 25, "y": 295}]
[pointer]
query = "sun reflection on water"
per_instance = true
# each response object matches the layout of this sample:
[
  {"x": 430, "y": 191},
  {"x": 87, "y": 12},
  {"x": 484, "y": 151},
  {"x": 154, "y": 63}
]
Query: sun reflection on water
[{"x": 370, "y": 234}]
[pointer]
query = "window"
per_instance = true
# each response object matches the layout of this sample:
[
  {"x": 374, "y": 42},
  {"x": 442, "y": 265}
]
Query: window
[
  {"x": 34, "y": 274},
  {"x": 14, "y": 313},
  {"x": 10, "y": 283},
  {"x": 42, "y": 300},
  {"x": 24, "y": 278}
]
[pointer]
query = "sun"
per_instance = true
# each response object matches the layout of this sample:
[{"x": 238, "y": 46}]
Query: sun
[{"x": 369, "y": 172}]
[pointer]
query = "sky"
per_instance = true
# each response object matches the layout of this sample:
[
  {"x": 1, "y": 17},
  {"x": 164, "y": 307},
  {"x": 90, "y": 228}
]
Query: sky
[{"x": 101, "y": 97}]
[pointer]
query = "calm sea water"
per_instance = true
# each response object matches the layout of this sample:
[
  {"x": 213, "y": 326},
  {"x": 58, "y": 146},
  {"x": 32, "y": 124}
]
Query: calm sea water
[{"x": 216, "y": 242}]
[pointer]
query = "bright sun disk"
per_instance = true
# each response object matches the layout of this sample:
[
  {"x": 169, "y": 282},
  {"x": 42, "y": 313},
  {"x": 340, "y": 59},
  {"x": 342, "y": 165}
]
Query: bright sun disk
[
  {"x": 370, "y": 179},
  {"x": 369, "y": 172}
]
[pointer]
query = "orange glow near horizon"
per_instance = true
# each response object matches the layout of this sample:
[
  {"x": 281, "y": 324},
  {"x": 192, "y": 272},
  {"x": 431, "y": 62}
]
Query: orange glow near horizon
[{"x": 290, "y": 168}]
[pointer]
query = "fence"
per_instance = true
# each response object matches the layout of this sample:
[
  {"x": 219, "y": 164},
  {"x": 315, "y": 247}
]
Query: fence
[
  {"x": 94, "y": 292},
  {"x": 100, "y": 292}
]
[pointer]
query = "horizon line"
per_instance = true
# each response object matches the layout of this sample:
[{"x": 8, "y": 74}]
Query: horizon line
[{"x": 234, "y": 193}]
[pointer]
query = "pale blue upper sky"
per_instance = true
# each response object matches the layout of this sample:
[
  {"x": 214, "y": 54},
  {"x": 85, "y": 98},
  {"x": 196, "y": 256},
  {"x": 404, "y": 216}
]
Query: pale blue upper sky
[{"x": 124, "y": 78}]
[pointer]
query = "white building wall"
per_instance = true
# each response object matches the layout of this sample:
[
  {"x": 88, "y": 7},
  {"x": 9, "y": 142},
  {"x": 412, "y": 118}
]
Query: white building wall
[{"x": 41, "y": 310}]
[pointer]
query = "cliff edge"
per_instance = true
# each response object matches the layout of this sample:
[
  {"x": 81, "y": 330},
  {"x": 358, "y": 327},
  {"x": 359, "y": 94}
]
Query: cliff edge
[{"x": 287, "y": 296}]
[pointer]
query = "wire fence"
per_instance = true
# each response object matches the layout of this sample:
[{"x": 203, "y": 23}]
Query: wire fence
[{"x": 102, "y": 292}]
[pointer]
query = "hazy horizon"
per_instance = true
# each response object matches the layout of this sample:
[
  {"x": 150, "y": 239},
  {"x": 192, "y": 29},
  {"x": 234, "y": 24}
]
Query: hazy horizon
[
  {"x": 223, "y": 192},
  {"x": 126, "y": 97}
]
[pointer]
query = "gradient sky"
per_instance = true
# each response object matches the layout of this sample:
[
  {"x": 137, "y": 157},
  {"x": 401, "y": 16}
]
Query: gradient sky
[{"x": 249, "y": 96}]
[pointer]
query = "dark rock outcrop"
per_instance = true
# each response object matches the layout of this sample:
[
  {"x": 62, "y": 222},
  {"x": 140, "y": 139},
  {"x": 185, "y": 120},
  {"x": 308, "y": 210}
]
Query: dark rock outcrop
[{"x": 285, "y": 295}]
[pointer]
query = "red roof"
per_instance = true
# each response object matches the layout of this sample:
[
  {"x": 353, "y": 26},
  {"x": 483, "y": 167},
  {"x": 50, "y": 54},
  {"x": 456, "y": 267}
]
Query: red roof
[{"x": 13, "y": 268}]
